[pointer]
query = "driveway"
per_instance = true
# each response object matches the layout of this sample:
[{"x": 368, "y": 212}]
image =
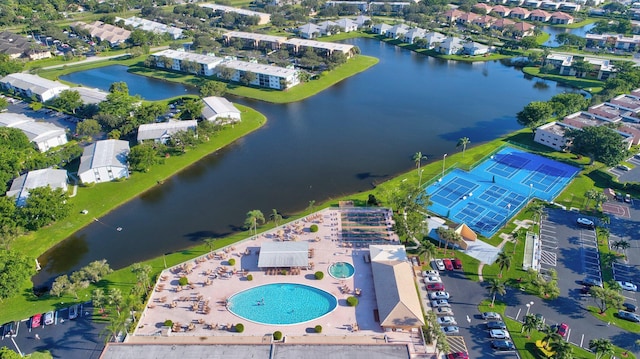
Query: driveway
[{"x": 632, "y": 175}]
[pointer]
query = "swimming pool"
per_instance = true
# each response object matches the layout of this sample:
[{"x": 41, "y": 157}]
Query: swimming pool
[
  {"x": 341, "y": 270},
  {"x": 282, "y": 304}
]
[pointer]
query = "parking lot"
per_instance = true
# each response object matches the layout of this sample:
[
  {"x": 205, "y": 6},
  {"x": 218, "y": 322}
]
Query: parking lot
[{"x": 79, "y": 338}]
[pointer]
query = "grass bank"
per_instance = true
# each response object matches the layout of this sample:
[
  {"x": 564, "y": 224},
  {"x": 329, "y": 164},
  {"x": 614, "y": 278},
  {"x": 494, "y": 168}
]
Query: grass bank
[
  {"x": 104, "y": 197},
  {"x": 593, "y": 86}
]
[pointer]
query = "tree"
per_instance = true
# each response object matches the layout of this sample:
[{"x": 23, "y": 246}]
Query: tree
[
  {"x": 600, "y": 198},
  {"x": 534, "y": 114},
  {"x": 88, "y": 128},
  {"x": 567, "y": 103},
  {"x": 60, "y": 286},
  {"x": 211, "y": 243},
  {"x": 191, "y": 109},
  {"x": 589, "y": 196},
  {"x": 143, "y": 273},
  {"x": 142, "y": 157},
  {"x": 99, "y": 299},
  {"x": 212, "y": 88},
  {"x": 530, "y": 323},
  {"x": 528, "y": 42},
  {"x": 503, "y": 261},
  {"x": 44, "y": 206},
  {"x": 68, "y": 100},
  {"x": 248, "y": 77},
  {"x": 605, "y": 298},
  {"x": 253, "y": 217},
  {"x": 463, "y": 142},
  {"x": 225, "y": 73},
  {"x": 495, "y": 287},
  {"x": 561, "y": 349},
  {"x": 96, "y": 270},
  {"x": 114, "y": 298},
  {"x": 601, "y": 347},
  {"x": 275, "y": 216},
  {"x": 621, "y": 244},
  {"x": 417, "y": 158},
  {"x": 6, "y": 353},
  {"x": 550, "y": 336},
  {"x": 600, "y": 143},
  {"x": 427, "y": 251}
]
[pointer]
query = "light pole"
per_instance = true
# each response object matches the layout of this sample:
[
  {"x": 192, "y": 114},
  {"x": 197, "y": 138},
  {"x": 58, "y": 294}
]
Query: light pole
[
  {"x": 529, "y": 305},
  {"x": 444, "y": 158},
  {"x": 530, "y": 190}
]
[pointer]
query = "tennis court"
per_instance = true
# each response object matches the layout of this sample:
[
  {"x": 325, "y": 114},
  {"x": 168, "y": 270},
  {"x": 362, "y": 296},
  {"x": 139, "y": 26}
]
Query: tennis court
[{"x": 498, "y": 188}]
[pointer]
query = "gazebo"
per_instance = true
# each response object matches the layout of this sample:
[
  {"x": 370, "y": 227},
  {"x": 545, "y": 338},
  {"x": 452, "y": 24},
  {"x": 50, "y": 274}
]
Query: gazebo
[{"x": 284, "y": 255}]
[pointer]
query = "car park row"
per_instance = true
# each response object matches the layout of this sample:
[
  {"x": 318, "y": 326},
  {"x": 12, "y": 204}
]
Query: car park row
[{"x": 39, "y": 320}]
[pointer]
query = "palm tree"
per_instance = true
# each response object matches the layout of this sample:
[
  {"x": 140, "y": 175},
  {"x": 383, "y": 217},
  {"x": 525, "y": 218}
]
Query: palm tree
[
  {"x": 515, "y": 239},
  {"x": 600, "y": 198},
  {"x": 622, "y": 244},
  {"x": 275, "y": 216},
  {"x": 427, "y": 250},
  {"x": 417, "y": 158},
  {"x": 562, "y": 350},
  {"x": 115, "y": 298},
  {"x": 98, "y": 298},
  {"x": 312, "y": 203},
  {"x": 537, "y": 209},
  {"x": 550, "y": 336},
  {"x": 601, "y": 347},
  {"x": 463, "y": 141},
  {"x": 143, "y": 273},
  {"x": 503, "y": 261},
  {"x": 531, "y": 322},
  {"x": 590, "y": 195},
  {"x": 253, "y": 217},
  {"x": 211, "y": 243},
  {"x": 495, "y": 287},
  {"x": 605, "y": 220}
]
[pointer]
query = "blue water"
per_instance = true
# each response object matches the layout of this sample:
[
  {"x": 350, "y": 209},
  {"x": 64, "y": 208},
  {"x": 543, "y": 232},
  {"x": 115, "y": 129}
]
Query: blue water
[
  {"x": 282, "y": 304},
  {"x": 485, "y": 198},
  {"x": 553, "y": 31},
  {"x": 341, "y": 270}
]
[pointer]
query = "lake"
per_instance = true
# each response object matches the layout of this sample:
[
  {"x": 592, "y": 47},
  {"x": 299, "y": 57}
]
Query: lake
[
  {"x": 553, "y": 31},
  {"x": 361, "y": 131},
  {"x": 148, "y": 88}
]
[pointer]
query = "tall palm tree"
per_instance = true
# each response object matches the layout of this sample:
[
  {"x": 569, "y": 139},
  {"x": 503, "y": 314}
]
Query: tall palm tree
[
  {"x": 605, "y": 220},
  {"x": 516, "y": 238},
  {"x": 417, "y": 158},
  {"x": 621, "y": 244},
  {"x": 537, "y": 209},
  {"x": 531, "y": 322},
  {"x": 601, "y": 347},
  {"x": 115, "y": 298},
  {"x": 463, "y": 141},
  {"x": 253, "y": 217},
  {"x": 590, "y": 195},
  {"x": 98, "y": 298},
  {"x": 427, "y": 250},
  {"x": 562, "y": 350},
  {"x": 550, "y": 336},
  {"x": 600, "y": 198},
  {"x": 211, "y": 243},
  {"x": 495, "y": 287},
  {"x": 275, "y": 216},
  {"x": 503, "y": 261}
]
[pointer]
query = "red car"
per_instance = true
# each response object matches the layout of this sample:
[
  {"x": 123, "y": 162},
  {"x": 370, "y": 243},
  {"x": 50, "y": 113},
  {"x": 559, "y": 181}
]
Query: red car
[
  {"x": 435, "y": 286},
  {"x": 457, "y": 263},
  {"x": 447, "y": 264},
  {"x": 458, "y": 355},
  {"x": 563, "y": 328},
  {"x": 35, "y": 320}
]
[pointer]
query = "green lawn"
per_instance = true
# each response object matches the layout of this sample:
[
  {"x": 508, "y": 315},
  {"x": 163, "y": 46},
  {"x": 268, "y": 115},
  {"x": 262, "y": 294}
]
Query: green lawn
[
  {"x": 593, "y": 86},
  {"x": 576, "y": 25},
  {"x": 542, "y": 38}
]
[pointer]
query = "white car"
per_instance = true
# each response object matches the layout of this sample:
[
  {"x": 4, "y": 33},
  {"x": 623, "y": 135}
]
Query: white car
[
  {"x": 432, "y": 279},
  {"x": 447, "y": 321},
  {"x": 451, "y": 329},
  {"x": 429, "y": 273},
  {"x": 444, "y": 311},
  {"x": 439, "y": 295},
  {"x": 585, "y": 222},
  {"x": 499, "y": 334},
  {"x": 491, "y": 316},
  {"x": 438, "y": 264},
  {"x": 628, "y": 286},
  {"x": 440, "y": 303}
]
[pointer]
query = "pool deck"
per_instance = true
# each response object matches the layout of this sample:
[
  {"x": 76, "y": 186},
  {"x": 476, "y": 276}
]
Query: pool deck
[{"x": 187, "y": 306}]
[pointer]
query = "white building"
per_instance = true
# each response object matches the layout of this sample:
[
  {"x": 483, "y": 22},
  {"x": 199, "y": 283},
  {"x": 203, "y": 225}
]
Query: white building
[
  {"x": 104, "y": 161},
  {"x": 29, "y": 85},
  {"x": 178, "y": 59},
  {"x": 269, "y": 76},
  {"x": 91, "y": 95},
  {"x": 264, "y": 18},
  {"x": 152, "y": 26},
  {"x": 220, "y": 110},
  {"x": 48, "y": 177},
  {"x": 552, "y": 135},
  {"x": 44, "y": 135},
  {"x": 161, "y": 132}
]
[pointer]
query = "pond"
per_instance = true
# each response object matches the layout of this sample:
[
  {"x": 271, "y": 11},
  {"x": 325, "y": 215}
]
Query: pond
[
  {"x": 360, "y": 132},
  {"x": 148, "y": 88},
  {"x": 553, "y": 31}
]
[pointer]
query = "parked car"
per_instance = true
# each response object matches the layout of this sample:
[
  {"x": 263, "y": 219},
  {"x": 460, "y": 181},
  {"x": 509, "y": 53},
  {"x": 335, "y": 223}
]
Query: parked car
[
  {"x": 627, "y": 286},
  {"x": 447, "y": 264},
  {"x": 48, "y": 318},
  {"x": 432, "y": 279},
  {"x": 491, "y": 316},
  {"x": 444, "y": 311},
  {"x": 503, "y": 345},
  {"x": 627, "y": 198},
  {"x": 440, "y": 303},
  {"x": 35, "y": 320},
  {"x": 73, "y": 312},
  {"x": 619, "y": 196},
  {"x": 450, "y": 329},
  {"x": 438, "y": 264},
  {"x": 632, "y": 317},
  {"x": 458, "y": 355},
  {"x": 590, "y": 282},
  {"x": 629, "y": 307},
  {"x": 457, "y": 263},
  {"x": 439, "y": 295},
  {"x": 585, "y": 223},
  {"x": 435, "y": 286},
  {"x": 585, "y": 290},
  {"x": 562, "y": 329},
  {"x": 499, "y": 334},
  {"x": 623, "y": 167},
  {"x": 496, "y": 325},
  {"x": 447, "y": 321},
  {"x": 6, "y": 330},
  {"x": 429, "y": 273}
]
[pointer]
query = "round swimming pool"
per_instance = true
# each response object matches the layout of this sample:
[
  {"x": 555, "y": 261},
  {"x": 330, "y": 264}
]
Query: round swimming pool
[
  {"x": 282, "y": 303},
  {"x": 341, "y": 270}
]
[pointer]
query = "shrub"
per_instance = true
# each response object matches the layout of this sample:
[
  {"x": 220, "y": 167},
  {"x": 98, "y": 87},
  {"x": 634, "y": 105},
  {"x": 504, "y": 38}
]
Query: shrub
[
  {"x": 277, "y": 335},
  {"x": 168, "y": 323},
  {"x": 352, "y": 301},
  {"x": 239, "y": 327},
  {"x": 318, "y": 328},
  {"x": 313, "y": 228},
  {"x": 232, "y": 262},
  {"x": 250, "y": 277},
  {"x": 183, "y": 281},
  {"x": 319, "y": 275}
]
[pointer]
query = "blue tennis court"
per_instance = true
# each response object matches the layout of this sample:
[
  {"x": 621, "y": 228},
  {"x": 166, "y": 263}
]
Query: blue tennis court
[{"x": 498, "y": 188}]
